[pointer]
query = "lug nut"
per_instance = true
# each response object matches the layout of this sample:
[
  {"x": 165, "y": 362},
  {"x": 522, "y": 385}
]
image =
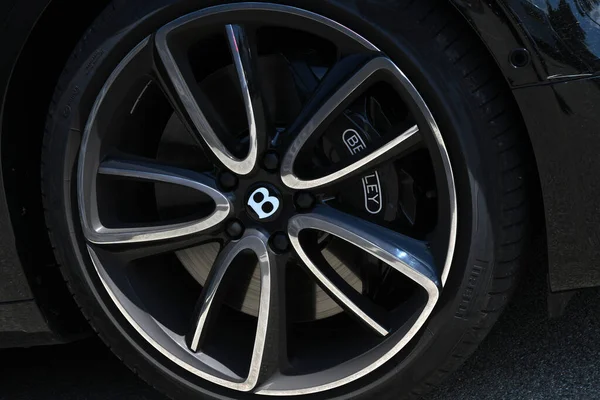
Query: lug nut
[
  {"x": 235, "y": 229},
  {"x": 271, "y": 161},
  {"x": 304, "y": 201},
  {"x": 227, "y": 180},
  {"x": 280, "y": 242}
]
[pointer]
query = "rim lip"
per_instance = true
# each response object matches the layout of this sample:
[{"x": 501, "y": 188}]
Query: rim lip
[{"x": 433, "y": 128}]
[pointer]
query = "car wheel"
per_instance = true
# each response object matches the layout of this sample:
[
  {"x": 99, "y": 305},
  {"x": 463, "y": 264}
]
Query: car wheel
[{"x": 293, "y": 198}]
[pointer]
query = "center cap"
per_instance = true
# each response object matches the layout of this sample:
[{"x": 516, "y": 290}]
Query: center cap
[{"x": 264, "y": 202}]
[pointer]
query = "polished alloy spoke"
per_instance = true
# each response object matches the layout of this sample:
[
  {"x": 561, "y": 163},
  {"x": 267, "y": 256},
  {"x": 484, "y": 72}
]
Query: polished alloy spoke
[
  {"x": 187, "y": 94},
  {"x": 154, "y": 172},
  {"x": 339, "y": 88},
  {"x": 402, "y": 144},
  {"x": 408, "y": 256},
  {"x": 122, "y": 254},
  {"x": 269, "y": 343},
  {"x": 245, "y": 58}
]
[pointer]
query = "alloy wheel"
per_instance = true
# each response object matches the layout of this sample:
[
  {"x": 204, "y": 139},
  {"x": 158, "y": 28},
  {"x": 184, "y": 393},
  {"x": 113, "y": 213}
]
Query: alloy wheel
[{"x": 267, "y": 199}]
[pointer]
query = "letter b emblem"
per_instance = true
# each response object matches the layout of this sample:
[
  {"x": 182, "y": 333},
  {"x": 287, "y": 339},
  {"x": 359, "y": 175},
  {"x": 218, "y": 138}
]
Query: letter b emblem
[{"x": 263, "y": 204}]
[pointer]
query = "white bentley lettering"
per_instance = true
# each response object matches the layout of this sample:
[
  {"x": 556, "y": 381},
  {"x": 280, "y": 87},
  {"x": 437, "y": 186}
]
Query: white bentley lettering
[
  {"x": 353, "y": 141},
  {"x": 372, "y": 188}
]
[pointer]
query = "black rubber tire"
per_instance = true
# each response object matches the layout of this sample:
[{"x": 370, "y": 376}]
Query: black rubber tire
[{"x": 481, "y": 127}]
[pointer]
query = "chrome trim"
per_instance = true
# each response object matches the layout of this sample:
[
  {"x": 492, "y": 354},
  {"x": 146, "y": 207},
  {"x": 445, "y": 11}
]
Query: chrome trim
[{"x": 569, "y": 76}]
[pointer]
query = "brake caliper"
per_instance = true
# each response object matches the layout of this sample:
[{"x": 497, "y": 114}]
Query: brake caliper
[{"x": 374, "y": 193}]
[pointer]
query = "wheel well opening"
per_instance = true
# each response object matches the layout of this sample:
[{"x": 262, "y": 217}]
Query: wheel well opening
[
  {"x": 29, "y": 96},
  {"x": 27, "y": 100},
  {"x": 535, "y": 257}
]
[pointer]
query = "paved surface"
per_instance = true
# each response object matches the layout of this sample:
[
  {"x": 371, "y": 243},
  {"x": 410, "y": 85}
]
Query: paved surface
[{"x": 525, "y": 357}]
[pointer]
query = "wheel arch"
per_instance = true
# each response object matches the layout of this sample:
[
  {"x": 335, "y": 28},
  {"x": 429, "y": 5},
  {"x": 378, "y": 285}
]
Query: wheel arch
[
  {"x": 46, "y": 38},
  {"x": 42, "y": 35},
  {"x": 557, "y": 94}
]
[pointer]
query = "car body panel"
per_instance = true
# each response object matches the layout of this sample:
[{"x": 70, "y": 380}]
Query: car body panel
[
  {"x": 565, "y": 34},
  {"x": 567, "y": 150},
  {"x": 559, "y": 98},
  {"x": 554, "y": 91},
  {"x": 22, "y": 322},
  {"x": 15, "y": 26},
  {"x": 492, "y": 22}
]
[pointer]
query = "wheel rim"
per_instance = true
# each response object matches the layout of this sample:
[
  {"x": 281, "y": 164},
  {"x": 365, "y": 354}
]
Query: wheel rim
[{"x": 269, "y": 167}]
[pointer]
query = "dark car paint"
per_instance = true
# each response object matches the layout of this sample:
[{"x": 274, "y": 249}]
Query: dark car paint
[
  {"x": 559, "y": 96},
  {"x": 565, "y": 34},
  {"x": 20, "y": 317},
  {"x": 493, "y": 23},
  {"x": 13, "y": 283},
  {"x": 567, "y": 152},
  {"x": 553, "y": 90},
  {"x": 31, "y": 310}
]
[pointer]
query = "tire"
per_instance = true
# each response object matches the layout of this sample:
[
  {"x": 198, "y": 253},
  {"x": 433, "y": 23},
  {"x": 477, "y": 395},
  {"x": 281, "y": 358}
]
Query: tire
[{"x": 482, "y": 131}]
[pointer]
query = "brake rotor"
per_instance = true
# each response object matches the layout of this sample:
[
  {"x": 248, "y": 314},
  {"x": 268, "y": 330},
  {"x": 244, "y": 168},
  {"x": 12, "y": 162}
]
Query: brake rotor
[{"x": 199, "y": 260}]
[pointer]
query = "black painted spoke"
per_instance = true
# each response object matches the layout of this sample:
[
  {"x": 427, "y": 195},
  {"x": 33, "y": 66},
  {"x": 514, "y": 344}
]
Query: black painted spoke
[
  {"x": 212, "y": 294},
  {"x": 179, "y": 83},
  {"x": 329, "y": 99},
  {"x": 408, "y": 256},
  {"x": 342, "y": 85},
  {"x": 381, "y": 152},
  {"x": 137, "y": 241},
  {"x": 269, "y": 353},
  {"x": 145, "y": 170}
]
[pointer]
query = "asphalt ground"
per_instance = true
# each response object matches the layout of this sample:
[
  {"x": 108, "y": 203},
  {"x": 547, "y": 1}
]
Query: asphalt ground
[{"x": 526, "y": 356}]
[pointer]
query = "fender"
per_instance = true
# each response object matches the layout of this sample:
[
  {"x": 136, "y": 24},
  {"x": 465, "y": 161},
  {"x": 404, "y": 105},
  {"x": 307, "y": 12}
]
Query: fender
[
  {"x": 558, "y": 92},
  {"x": 35, "y": 307},
  {"x": 14, "y": 30},
  {"x": 561, "y": 37},
  {"x": 18, "y": 309}
]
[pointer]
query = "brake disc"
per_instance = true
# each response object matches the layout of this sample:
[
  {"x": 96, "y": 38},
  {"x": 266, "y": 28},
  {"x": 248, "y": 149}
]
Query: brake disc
[{"x": 199, "y": 260}]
